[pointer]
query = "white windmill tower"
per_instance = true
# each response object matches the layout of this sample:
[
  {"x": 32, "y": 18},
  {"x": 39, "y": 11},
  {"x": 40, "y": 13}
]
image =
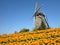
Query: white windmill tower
[{"x": 40, "y": 18}]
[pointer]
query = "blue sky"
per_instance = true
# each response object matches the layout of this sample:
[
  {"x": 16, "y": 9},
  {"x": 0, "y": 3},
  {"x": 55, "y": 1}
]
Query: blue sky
[{"x": 16, "y": 14}]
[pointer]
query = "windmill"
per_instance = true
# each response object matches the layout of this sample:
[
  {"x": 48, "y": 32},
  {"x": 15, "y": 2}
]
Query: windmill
[{"x": 40, "y": 19}]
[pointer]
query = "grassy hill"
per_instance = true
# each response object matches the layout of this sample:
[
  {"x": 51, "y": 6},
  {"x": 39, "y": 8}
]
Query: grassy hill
[{"x": 38, "y": 37}]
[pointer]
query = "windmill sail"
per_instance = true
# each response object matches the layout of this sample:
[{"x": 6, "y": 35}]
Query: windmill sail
[{"x": 36, "y": 5}]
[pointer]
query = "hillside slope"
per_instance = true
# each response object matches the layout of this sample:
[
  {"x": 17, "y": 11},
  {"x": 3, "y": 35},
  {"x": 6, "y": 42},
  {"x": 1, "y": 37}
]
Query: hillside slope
[{"x": 42, "y": 37}]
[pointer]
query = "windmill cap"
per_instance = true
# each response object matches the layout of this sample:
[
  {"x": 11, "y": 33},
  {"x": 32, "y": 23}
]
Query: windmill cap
[{"x": 41, "y": 14}]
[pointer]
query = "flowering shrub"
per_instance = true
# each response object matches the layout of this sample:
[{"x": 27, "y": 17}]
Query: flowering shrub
[{"x": 42, "y": 37}]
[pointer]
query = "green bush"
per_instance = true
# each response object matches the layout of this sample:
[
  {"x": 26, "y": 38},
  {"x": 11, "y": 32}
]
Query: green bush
[{"x": 24, "y": 30}]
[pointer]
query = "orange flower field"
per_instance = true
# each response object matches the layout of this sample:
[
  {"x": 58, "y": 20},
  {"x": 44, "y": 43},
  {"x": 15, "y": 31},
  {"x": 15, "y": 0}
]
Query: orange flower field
[{"x": 38, "y": 37}]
